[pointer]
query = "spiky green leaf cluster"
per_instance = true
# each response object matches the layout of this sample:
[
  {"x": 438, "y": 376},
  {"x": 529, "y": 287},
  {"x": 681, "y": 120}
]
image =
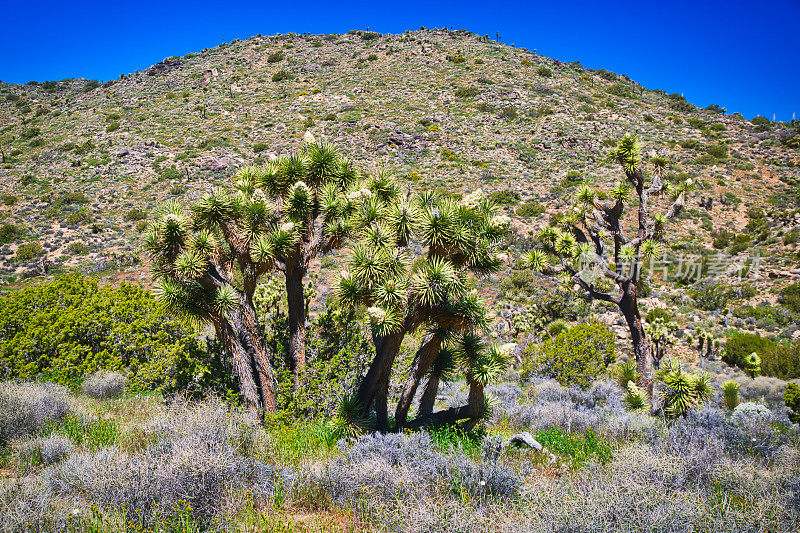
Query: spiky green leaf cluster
[
  {"x": 457, "y": 237},
  {"x": 683, "y": 391}
]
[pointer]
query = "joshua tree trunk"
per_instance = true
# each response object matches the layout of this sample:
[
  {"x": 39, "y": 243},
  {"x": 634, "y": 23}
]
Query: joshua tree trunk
[
  {"x": 297, "y": 321},
  {"x": 428, "y": 399},
  {"x": 374, "y": 387},
  {"x": 241, "y": 335},
  {"x": 472, "y": 412},
  {"x": 629, "y": 306},
  {"x": 423, "y": 360}
]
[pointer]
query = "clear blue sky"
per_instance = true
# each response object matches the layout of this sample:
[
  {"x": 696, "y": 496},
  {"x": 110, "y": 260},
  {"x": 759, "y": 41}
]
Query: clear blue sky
[{"x": 742, "y": 55}]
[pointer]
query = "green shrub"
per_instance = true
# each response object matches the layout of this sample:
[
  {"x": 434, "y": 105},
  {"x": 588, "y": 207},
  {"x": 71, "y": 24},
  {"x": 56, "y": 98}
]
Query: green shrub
[
  {"x": 572, "y": 179},
  {"x": 531, "y": 209},
  {"x": 740, "y": 344},
  {"x": 10, "y": 199},
  {"x": 82, "y": 216},
  {"x": 574, "y": 357},
  {"x": 505, "y": 197},
  {"x": 170, "y": 173},
  {"x": 544, "y": 72},
  {"x": 135, "y": 214},
  {"x": 28, "y": 251},
  {"x": 657, "y": 313},
  {"x": 69, "y": 199},
  {"x": 467, "y": 92},
  {"x": 69, "y": 328},
  {"x": 790, "y": 297},
  {"x": 792, "y": 399},
  {"x": 720, "y": 151},
  {"x": 518, "y": 282},
  {"x": 281, "y": 75},
  {"x": 276, "y": 57},
  {"x": 621, "y": 90},
  {"x": 260, "y": 147},
  {"x": 730, "y": 394},
  {"x": 782, "y": 361},
  {"x": 10, "y": 232}
]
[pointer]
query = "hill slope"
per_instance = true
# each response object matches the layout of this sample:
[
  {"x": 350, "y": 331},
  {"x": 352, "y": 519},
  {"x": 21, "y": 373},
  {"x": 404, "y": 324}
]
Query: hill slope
[{"x": 84, "y": 163}]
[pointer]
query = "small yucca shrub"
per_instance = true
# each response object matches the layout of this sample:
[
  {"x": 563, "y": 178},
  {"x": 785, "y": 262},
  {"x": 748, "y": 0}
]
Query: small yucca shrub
[
  {"x": 684, "y": 391},
  {"x": 730, "y": 394},
  {"x": 635, "y": 398}
]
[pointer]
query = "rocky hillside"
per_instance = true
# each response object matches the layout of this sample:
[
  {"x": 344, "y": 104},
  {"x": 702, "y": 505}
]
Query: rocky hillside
[{"x": 84, "y": 164}]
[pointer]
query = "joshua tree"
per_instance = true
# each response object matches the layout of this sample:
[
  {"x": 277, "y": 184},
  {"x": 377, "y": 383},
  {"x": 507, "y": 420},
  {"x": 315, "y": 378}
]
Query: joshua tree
[
  {"x": 208, "y": 261},
  {"x": 591, "y": 250},
  {"x": 660, "y": 332},
  {"x": 402, "y": 293}
]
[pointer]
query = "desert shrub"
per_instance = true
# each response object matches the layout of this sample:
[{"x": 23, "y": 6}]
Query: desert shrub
[
  {"x": 792, "y": 399},
  {"x": 114, "y": 126},
  {"x": 71, "y": 327},
  {"x": 508, "y": 112},
  {"x": 260, "y": 147},
  {"x": 135, "y": 215},
  {"x": 720, "y": 151},
  {"x": 28, "y": 251},
  {"x": 404, "y": 466},
  {"x": 657, "y": 313},
  {"x": 531, "y": 209},
  {"x": 276, "y": 57},
  {"x": 544, "y": 72},
  {"x": 104, "y": 385},
  {"x": 781, "y": 360},
  {"x": 193, "y": 461},
  {"x": 750, "y": 412},
  {"x": 505, "y": 197},
  {"x": 10, "y": 232},
  {"x": 710, "y": 296},
  {"x": 281, "y": 75},
  {"x": 339, "y": 352},
  {"x": 522, "y": 282},
  {"x": 740, "y": 344},
  {"x": 574, "y": 357},
  {"x": 28, "y": 408},
  {"x": 790, "y": 297},
  {"x": 467, "y": 92},
  {"x": 69, "y": 199},
  {"x": 620, "y": 89},
  {"x": 43, "y": 451},
  {"x": 572, "y": 179},
  {"x": 81, "y": 216}
]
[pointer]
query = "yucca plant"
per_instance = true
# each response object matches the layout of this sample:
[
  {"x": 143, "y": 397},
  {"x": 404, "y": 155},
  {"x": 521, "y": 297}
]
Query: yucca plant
[
  {"x": 624, "y": 373},
  {"x": 207, "y": 260},
  {"x": 591, "y": 251},
  {"x": 635, "y": 398},
  {"x": 683, "y": 391},
  {"x": 751, "y": 365},
  {"x": 402, "y": 293},
  {"x": 730, "y": 394},
  {"x": 661, "y": 335}
]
